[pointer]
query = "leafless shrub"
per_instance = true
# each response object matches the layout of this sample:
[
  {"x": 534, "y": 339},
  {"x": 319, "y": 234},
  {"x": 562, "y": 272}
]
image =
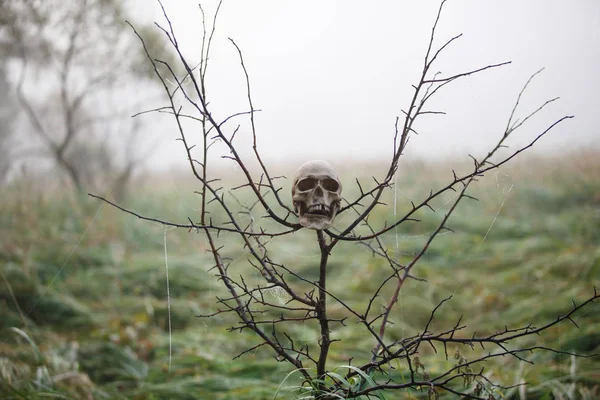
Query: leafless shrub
[{"x": 223, "y": 217}]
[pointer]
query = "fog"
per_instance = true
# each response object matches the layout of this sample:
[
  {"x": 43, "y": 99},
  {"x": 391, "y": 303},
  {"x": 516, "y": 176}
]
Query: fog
[{"x": 330, "y": 77}]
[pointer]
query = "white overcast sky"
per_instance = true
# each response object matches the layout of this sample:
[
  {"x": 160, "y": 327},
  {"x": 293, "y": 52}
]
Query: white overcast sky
[{"x": 331, "y": 76}]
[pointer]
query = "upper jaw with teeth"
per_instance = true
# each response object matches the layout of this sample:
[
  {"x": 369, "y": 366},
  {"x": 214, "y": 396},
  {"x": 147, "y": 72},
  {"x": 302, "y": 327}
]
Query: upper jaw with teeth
[{"x": 319, "y": 209}]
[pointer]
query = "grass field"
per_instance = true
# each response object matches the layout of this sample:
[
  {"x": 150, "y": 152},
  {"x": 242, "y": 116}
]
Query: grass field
[{"x": 83, "y": 290}]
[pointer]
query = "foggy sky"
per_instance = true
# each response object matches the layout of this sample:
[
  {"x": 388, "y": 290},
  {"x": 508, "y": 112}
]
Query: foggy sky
[{"x": 331, "y": 76}]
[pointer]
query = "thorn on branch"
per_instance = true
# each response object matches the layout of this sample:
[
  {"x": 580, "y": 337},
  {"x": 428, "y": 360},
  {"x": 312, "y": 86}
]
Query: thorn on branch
[{"x": 470, "y": 197}]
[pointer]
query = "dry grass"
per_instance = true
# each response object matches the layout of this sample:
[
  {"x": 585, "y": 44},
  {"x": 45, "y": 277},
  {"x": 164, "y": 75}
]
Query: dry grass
[{"x": 85, "y": 285}]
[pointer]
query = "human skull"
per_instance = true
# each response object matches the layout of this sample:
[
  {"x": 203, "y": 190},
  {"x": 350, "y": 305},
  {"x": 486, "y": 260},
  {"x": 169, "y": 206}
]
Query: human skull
[{"x": 316, "y": 193}]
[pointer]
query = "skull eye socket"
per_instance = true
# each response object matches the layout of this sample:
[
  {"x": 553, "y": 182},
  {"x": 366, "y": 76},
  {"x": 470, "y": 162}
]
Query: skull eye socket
[
  {"x": 307, "y": 184},
  {"x": 330, "y": 185}
]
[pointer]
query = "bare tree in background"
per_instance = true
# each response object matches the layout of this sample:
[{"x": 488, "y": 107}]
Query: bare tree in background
[
  {"x": 7, "y": 111},
  {"x": 78, "y": 67},
  {"x": 228, "y": 224}
]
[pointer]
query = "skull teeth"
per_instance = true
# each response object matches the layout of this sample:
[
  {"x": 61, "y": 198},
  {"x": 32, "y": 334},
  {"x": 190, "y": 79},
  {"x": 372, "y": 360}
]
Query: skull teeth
[{"x": 318, "y": 209}]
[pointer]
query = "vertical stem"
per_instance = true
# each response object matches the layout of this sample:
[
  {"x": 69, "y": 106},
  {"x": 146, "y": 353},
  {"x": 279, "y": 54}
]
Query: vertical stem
[
  {"x": 321, "y": 308},
  {"x": 386, "y": 315}
]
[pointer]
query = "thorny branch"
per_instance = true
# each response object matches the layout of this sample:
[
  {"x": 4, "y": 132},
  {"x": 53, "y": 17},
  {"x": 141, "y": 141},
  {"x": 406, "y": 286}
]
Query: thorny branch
[
  {"x": 224, "y": 218},
  {"x": 408, "y": 348}
]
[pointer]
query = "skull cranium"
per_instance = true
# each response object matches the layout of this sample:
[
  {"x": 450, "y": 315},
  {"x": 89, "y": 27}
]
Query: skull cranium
[{"x": 316, "y": 194}]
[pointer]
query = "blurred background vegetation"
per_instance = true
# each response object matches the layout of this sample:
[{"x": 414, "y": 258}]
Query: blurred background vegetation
[
  {"x": 84, "y": 299},
  {"x": 83, "y": 289}
]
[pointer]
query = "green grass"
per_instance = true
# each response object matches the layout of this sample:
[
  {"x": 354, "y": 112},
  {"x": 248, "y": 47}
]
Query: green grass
[{"x": 83, "y": 305}]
